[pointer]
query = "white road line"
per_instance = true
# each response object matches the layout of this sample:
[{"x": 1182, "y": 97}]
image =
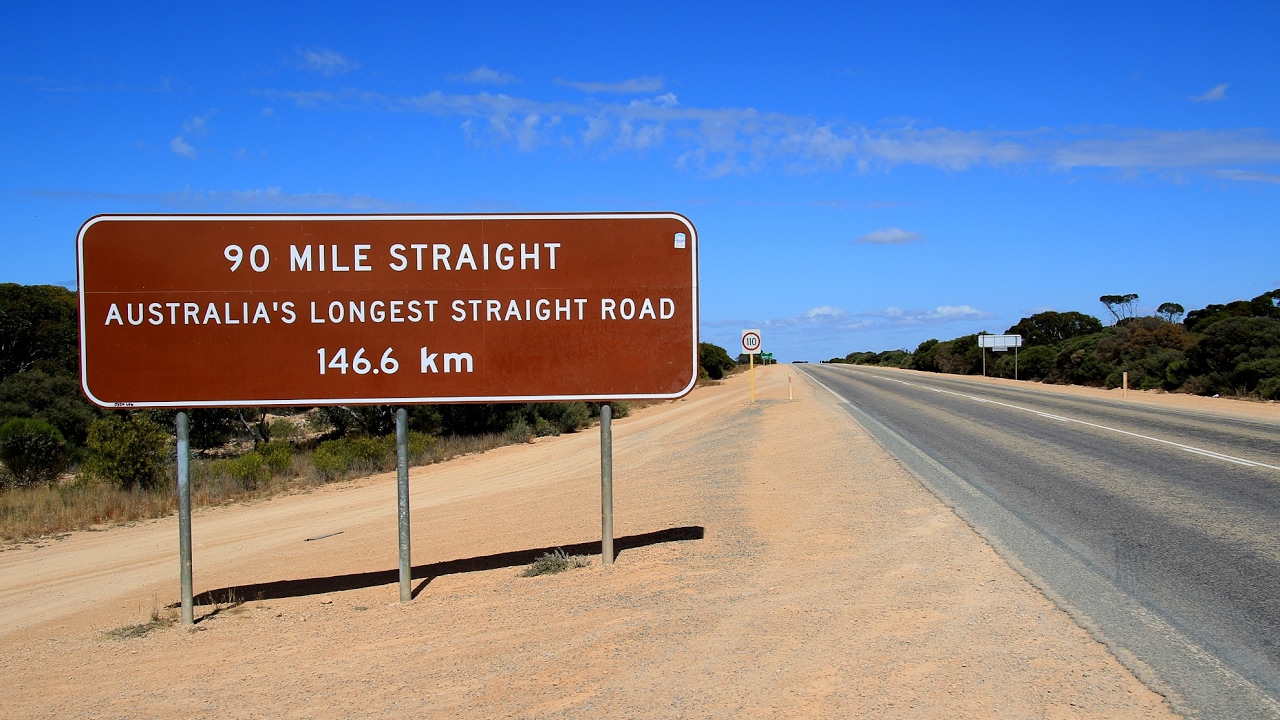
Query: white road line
[{"x": 1188, "y": 448}]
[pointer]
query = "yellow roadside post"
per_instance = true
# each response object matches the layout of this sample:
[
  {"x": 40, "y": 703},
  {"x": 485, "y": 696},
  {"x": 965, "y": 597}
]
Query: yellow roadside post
[{"x": 751, "y": 346}]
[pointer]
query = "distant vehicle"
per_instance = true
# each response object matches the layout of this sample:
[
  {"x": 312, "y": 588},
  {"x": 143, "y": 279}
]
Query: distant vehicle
[{"x": 798, "y": 361}]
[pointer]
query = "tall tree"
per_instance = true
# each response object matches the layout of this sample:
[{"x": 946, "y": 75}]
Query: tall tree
[
  {"x": 1171, "y": 311},
  {"x": 1051, "y": 328},
  {"x": 38, "y": 329},
  {"x": 1120, "y": 306}
]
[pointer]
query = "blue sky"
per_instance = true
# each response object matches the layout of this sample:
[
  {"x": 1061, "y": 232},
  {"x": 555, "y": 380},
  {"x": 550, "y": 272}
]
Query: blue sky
[{"x": 862, "y": 176}]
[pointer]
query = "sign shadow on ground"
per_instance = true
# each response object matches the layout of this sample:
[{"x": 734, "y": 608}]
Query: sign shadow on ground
[{"x": 279, "y": 589}]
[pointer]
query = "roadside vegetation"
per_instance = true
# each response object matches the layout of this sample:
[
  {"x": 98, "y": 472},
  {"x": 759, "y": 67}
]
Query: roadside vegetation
[
  {"x": 1231, "y": 349},
  {"x": 556, "y": 561},
  {"x": 67, "y": 465}
]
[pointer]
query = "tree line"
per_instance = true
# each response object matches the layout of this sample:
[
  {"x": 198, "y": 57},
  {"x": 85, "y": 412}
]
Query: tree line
[{"x": 1220, "y": 349}]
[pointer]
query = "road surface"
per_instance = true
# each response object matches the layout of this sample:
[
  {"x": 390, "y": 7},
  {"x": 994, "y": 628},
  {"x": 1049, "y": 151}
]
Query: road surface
[{"x": 1159, "y": 528}]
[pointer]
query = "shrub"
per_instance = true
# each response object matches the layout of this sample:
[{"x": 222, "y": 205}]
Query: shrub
[
  {"x": 544, "y": 428},
  {"x": 574, "y": 417},
  {"x": 32, "y": 450},
  {"x": 278, "y": 455},
  {"x": 714, "y": 361},
  {"x": 128, "y": 450},
  {"x": 285, "y": 429},
  {"x": 55, "y": 399},
  {"x": 249, "y": 470},
  {"x": 556, "y": 561},
  {"x": 328, "y": 462},
  {"x": 420, "y": 446},
  {"x": 520, "y": 430},
  {"x": 337, "y": 457}
]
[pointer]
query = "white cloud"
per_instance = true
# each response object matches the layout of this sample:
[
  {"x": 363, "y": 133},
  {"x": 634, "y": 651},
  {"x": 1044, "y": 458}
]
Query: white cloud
[
  {"x": 726, "y": 141},
  {"x": 327, "y": 62},
  {"x": 829, "y": 317},
  {"x": 1216, "y": 93},
  {"x": 1246, "y": 175},
  {"x": 889, "y": 236},
  {"x": 272, "y": 198},
  {"x": 944, "y": 313},
  {"x": 181, "y": 147},
  {"x": 484, "y": 76},
  {"x": 198, "y": 126},
  {"x": 825, "y": 312},
  {"x": 632, "y": 86}
]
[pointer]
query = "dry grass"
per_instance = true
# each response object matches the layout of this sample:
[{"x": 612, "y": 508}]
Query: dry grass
[
  {"x": 27, "y": 513},
  {"x": 160, "y": 618},
  {"x": 556, "y": 561}
]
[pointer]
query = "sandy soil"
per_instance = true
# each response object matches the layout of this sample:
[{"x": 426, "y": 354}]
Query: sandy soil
[{"x": 776, "y": 563}]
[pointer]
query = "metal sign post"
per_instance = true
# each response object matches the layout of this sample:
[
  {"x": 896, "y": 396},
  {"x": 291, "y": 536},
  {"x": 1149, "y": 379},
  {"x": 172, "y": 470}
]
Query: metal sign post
[
  {"x": 184, "y": 519},
  {"x": 385, "y": 310},
  {"x": 1000, "y": 343},
  {"x": 606, "y": 485},
  {"x": 402, "y": 503}
]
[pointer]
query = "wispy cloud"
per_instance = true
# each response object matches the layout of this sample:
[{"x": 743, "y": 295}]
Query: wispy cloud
[
  {"x": 726, "y": 141},
  {"x": 198, "y": 126},
  {"x": 1216, "y": 93},
  {"x": 266, "y": 199},
  {"x": 182, "y": 147},
  {"x": 1247, "y": 175},
  {"x": 484, "y": 76},
  {"x": 833, "y": 318},
  {"x": 889, "y": 236},
  {"x": 326, "y": 62},
  {"x": 632, "y": 86}
]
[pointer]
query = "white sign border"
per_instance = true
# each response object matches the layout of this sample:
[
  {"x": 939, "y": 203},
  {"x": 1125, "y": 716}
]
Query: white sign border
[{"x": 84, "y": 357}]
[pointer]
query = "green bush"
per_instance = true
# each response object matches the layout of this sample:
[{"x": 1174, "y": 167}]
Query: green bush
[
  {"x": 520, "y": 430},
  {"x": 574, "y": 417},
  {"x": 278, "y": 455},
  {"x": 249, "y": 470},
  {"x": 130, "y": 451},
  {"x": 55, "y": 399},
  {"x": 714, "y": 361},
  {"x": 285, "y": 429},
  {"x": 32, "y": 450},
  {"x": 334, "y": 458},
  {"x": 420, "y": 446},
  {"x": 328, "y": 462},
  {"x": 544, "y": 428}
]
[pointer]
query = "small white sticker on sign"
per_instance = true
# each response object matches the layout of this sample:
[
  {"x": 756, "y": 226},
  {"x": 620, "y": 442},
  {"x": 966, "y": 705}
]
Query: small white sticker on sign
[{"x": 680, "y": 241}]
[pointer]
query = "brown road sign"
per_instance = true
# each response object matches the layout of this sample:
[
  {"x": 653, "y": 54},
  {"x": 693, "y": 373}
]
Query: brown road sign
[{"x": 188, "y": 311}]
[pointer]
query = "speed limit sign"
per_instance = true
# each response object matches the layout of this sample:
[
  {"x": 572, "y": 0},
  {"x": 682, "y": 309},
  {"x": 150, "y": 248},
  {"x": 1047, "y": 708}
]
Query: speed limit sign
[{"x": 751, "y": 342}]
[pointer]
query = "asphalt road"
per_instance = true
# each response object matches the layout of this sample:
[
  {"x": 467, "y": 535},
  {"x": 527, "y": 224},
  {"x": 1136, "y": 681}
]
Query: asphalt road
[{"x": 1159, "y": 527}]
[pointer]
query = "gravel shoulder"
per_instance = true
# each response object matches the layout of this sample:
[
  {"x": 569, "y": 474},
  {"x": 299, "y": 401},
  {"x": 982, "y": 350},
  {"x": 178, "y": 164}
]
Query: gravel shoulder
[{"x": 802, "y": 573}]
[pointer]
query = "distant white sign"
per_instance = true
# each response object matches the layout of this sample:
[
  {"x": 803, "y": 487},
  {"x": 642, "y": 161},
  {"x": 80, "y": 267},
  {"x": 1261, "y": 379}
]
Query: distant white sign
[
  {"x": 1000, "y": 343},
  {"x": 751, "y": 342}
]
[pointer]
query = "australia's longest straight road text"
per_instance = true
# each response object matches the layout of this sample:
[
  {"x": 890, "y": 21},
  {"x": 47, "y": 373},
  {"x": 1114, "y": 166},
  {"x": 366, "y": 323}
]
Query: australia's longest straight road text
[{"x": 1177, "y": 513}]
